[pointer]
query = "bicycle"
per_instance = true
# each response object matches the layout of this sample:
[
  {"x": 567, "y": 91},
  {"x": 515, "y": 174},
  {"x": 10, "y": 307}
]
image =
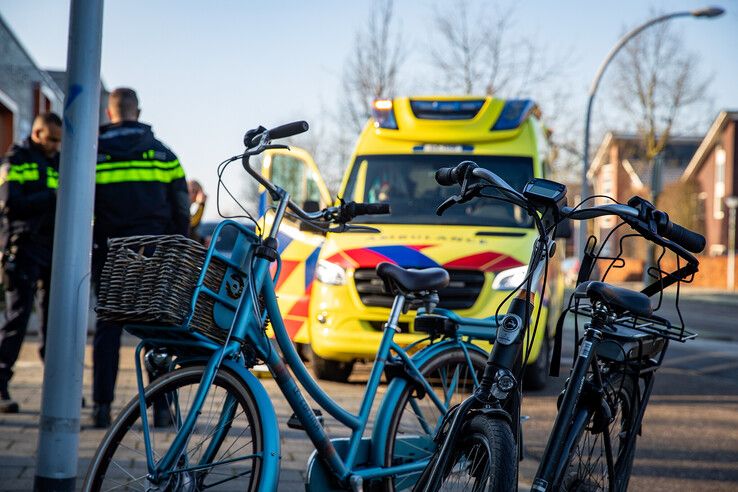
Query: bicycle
[
  {"x": 480, "y": 441},
  {"x": 224, "y": 427}
]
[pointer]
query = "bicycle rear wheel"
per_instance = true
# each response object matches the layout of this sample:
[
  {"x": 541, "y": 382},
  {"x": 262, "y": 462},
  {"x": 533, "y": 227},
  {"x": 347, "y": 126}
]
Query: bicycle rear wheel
[
  {"x": 222, "y": 452},
  {"x": 587, "y": 469}
]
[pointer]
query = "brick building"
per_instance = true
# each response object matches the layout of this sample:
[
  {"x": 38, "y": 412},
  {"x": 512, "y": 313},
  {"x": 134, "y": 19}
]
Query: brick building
[
  {"x": 713, "y": 171},
  {"x": 25, "y": 89},
  {"x": 619, "y": 170}
]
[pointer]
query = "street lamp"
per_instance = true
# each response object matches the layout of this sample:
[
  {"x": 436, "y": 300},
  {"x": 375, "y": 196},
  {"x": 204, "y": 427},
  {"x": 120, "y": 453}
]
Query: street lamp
[
  {"x": 707, "y": 12},
  {"x": 731, "y": 202}
]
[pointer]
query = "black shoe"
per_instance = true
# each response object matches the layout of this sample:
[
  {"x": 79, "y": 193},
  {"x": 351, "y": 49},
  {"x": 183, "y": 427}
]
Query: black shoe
[
  {"x": 163, "y": 416},
  {"x": 101, "y": 415},
  {"x": 7, "y": 404}
]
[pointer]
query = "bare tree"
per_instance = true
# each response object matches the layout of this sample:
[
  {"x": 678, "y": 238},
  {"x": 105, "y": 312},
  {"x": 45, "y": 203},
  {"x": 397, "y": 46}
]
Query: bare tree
[
  {"x": 478, "y": 53},
  {"x": 657, "y": 81},
  {"x": 372, "y": 68}
]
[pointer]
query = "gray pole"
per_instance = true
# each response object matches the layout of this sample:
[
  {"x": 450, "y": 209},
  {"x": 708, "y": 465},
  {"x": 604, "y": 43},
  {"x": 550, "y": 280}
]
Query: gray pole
[
  {"x": 706, "y": 12},
  {"x": 59, "y": 427}
]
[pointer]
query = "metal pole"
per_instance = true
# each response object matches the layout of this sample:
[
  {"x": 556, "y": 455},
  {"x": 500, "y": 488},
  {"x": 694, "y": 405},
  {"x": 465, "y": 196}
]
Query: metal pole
[
  {"x": 593, "y": 89},
  {"x": 56, "y": 467}
]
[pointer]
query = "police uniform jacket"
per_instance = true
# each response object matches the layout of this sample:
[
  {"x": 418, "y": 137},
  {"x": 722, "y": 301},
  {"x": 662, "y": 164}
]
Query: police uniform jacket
[
  {"x": 140, "y": 185},
  {"x": 28, "y": 183}
]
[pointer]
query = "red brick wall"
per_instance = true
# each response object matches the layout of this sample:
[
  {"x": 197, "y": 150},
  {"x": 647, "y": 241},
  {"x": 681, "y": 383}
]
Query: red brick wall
[{"x": 712, "y": 272}]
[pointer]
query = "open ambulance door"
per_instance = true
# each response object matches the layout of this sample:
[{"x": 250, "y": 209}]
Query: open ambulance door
[{"x": 299, "y": 246}]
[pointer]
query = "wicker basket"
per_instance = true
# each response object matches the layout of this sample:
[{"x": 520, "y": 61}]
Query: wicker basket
[{"x": 151, "y": 280}]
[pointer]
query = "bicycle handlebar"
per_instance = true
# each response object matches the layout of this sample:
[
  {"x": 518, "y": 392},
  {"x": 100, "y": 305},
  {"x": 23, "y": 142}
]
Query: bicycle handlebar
[
  {"x": 258, "y": 140},
  {"x": 254, "y": 137},
  {"x": 680, "y": 235},
  {"x": 689, "y": 240}
]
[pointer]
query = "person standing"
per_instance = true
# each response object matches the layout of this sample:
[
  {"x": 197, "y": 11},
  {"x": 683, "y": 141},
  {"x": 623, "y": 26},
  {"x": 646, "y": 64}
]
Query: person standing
[
  {"x": 198, "y": 198},
  {"x": 140, "y": 190},
  {"x": 28, "y": 181}
]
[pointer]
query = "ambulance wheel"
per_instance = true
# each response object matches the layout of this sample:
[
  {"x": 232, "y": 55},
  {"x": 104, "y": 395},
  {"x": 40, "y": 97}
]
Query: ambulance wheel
[{"x": 331, "y": 370}]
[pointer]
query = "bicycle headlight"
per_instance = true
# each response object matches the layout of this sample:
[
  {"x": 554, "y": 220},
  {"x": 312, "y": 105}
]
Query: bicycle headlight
[
  {"x": 510, "y": 279},
  {"x": 330, "y": 273}
]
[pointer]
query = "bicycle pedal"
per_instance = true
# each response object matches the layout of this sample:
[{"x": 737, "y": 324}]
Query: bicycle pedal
[{"x": 294, "y": 422}]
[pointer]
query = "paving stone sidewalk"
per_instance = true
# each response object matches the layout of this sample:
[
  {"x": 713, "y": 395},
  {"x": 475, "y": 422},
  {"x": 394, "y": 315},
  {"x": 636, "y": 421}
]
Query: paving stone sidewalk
[{"x": 19, "y": 432}]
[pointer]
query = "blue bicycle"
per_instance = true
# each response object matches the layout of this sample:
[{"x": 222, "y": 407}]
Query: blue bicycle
[{"x": 223, "y": 432}]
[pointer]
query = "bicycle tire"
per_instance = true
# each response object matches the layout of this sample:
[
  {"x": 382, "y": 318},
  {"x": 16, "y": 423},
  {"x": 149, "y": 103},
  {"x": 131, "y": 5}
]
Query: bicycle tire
[
  {"x": 410, "y": 424},
  {"x": 484, "y": 458},
  {"x": 172, "y": 386},
  {"x": 586, "y": 462}
]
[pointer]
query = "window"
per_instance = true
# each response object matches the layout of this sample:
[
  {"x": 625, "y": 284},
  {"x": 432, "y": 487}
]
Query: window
[
  {"x": 41, "y": 101},
  {"x": 407, "y": 182},
  {"x": 719, "y": 194},
  {"x": 293, "y": 175}
]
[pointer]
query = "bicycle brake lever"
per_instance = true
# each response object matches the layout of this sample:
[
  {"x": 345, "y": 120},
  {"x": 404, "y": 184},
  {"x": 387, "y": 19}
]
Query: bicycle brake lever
[
  {"x": 359, "y": 228},
  {"x": 276, "y": 146},
  {"x": 447, "y": 203}
]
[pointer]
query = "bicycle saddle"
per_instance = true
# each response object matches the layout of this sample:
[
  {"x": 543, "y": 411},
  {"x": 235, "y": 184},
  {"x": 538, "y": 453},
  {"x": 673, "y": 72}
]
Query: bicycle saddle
[
  {"x": 618, "y": 298},
  {"x": 408, "y": 280}
]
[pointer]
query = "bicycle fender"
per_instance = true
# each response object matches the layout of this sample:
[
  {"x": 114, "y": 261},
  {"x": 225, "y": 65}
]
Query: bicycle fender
[
  {"x": 395, "y": 389},
  {"x": 497, "y": 413},
  {"x": 271, "y": 453}
]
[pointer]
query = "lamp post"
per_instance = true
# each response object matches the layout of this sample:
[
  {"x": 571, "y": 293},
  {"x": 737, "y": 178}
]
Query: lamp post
[
  {"x": 731, "y": 202},
  {"x": 707, "y": 12}
]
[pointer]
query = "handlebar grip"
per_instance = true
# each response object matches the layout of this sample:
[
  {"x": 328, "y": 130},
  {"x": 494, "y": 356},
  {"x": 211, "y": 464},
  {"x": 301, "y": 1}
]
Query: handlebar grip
[
  {"x": 289, "y": 129},
  {"x": 444, "y": 176},
  {"x": 355, "y": 209},
  {"x": 455, "y": 175},
  {"x": 689, "y": 240}
]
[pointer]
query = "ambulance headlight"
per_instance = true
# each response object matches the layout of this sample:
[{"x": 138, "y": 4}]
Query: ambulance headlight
[
  {"x": 510, "y": 279},
  {"x": 330, "y": 273}
]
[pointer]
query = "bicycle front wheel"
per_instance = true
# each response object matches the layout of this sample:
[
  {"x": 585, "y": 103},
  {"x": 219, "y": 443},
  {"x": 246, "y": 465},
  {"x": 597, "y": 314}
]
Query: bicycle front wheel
[
  {"x": 483, "y": 459},
  {"x": 221, "y": 453},
  {"x": 416, "y": 418},
  {"x": 587, "y": 469}
]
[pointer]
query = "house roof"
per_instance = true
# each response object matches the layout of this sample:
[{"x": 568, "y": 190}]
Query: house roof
[
  {"x": 708, "y": 142},
  {"x": 602, "y": 157},
  {"x": 47, "y": 79}
]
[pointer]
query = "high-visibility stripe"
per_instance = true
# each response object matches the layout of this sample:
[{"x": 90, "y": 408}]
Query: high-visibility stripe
[
  {"x": 20, "y": 173},
  {"x": 136, "y": 171},
  {"x": 138, "y": 164},
  {"x": 52, "y": 179}
]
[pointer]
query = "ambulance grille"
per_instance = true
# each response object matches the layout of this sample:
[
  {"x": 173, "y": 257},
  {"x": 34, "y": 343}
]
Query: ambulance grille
[{"x": 462, "y": 291}]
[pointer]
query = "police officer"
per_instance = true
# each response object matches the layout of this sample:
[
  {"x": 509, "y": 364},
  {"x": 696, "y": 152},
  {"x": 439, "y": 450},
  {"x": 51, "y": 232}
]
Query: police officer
[
  {"x": 140, "y": 190},
  {"x": 28, "y": 182}
]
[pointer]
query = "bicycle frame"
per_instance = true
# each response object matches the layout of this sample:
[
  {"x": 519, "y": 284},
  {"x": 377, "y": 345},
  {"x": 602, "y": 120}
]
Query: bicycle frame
[
  {"x": 503, "y": 361},
  {"x": 247, "y": 330},
  {"x": 571, "y": 414}
]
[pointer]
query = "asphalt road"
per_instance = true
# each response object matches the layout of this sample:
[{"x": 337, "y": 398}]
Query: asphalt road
[{"x": 689, "y": 438}]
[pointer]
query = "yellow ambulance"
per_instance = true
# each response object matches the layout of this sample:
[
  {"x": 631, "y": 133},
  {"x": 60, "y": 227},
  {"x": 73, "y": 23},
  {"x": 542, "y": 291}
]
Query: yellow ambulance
[{"x": 333, "y": 301}]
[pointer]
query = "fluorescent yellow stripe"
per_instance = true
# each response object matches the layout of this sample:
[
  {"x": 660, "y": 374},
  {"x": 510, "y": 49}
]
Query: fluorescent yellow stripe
[
  {"x": 137, "y": 174},
  {"x": 145, "y": 164},
  {"x": 52, "y": 179},
  {"x": 20, "y": 173}
]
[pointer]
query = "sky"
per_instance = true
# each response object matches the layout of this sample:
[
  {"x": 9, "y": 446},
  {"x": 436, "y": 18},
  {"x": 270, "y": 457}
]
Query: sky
[{"x": 206, "y": 71}]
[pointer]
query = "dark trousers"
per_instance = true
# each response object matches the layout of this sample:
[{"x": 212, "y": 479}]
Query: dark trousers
[
  {"x": 21, "y": 282},
  {"x": 105, "y": 355}
]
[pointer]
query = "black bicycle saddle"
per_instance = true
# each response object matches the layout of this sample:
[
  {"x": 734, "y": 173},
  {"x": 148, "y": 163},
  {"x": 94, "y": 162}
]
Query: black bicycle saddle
[
  {"x": 617, "y": 298},
  {"x": 408, "y": 280}
]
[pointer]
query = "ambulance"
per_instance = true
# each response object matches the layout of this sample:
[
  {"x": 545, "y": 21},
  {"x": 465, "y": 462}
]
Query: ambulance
[{"x": 334, "y": 304}]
